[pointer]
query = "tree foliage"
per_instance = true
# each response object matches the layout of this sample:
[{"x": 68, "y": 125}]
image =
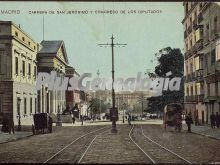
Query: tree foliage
[{"x": 168, "y": 60}]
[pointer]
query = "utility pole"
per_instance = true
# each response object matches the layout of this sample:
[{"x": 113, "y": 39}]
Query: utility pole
[{"x": 114, "y": 115}]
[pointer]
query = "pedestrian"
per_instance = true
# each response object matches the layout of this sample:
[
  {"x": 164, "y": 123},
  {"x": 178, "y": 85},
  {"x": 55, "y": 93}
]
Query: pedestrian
[
  {"x": 50, "y": 124},
  {"x": 212, "y": 119},
  {"x": 5, "y": 125},
  {"x": 129, "y": 119},
  {"x": 189, "y": 121},
  {"x": 11, "y": 126},
  {"x": 73, "y": 118},
  {"x": 217, "y": 119}
]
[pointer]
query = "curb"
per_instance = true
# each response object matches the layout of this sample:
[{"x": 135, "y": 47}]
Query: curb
[
  {"x": 209, "y": 136},
  {"x": 17, "y": 139}
]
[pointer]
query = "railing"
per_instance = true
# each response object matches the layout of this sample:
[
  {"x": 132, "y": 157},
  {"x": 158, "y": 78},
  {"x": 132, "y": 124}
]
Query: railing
[
  {"x": 195, "y": 25},
  {"x": 190, "y": 99},
  {"x": 189, "y": 29},
  {"x": 199, "y": 45},
  {"x": 200, "y": 98},
  {"x": 214, "y": 34},
  {"x": 199, "y": 75},
  {"x": 194, "y": 98}
]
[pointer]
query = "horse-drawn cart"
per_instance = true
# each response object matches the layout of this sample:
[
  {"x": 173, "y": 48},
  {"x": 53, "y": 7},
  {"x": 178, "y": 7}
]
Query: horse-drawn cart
[
  {"x": 173, "y": 116},
  {"x": 42, "y": 121}
]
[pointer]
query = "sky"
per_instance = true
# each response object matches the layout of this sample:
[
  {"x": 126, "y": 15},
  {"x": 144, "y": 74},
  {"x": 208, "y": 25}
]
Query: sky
[{"x": 144, "y": 34}]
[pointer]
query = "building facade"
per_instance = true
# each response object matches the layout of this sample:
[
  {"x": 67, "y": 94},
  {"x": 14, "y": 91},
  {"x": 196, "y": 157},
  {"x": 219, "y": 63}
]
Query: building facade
[
  {"x": 18, "y": 69},
  {"x": 52, "y": 57},
  {"x": 201, "y": 67}
]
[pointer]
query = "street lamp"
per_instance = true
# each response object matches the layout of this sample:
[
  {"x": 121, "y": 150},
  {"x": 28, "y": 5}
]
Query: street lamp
[
  {"x": 19, "y": 114},
  {"x": 124, "y": 112}
]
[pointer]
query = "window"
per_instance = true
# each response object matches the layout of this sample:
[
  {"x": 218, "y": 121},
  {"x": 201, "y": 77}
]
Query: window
[
  {"x": 23, "y": 38},
  {"x": 216, "y": 88},
  {"x": 191, "y": 90},
  {"x": 215, "y": 23},
  {"x": 35, "y": 71},
  {"x": 16, "y": 33},
  {"x": 16, "y": 65},
  {"x": 207, "y": 26},
  {"x": 29, "y": 70},
  {"x": 2, "y": 54},
  {"x": 200, "y": 5},
  {"x": 25, "y": 106},
  {"x": 31, "y": 105},
  {"x": 206, "y": 60},
  {"x": 35, "y": 105},
  {"x": 213, "y": 58},
  {"x": 23, "y": 68},
  {"x": 34, "y": 47},
  {"x": 29, "y": 43},
  {"x": 208, "y": 89},
  {"x": 0, "y": 103}
]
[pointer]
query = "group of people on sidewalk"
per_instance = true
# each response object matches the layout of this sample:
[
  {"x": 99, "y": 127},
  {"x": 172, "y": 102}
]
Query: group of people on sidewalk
[
  {"x": 215, "y": 120},
  {"x": 7, "y": 125}
]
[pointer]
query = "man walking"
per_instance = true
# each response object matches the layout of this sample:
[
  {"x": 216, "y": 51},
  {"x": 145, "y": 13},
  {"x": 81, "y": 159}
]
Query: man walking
[
  {"x": 217, "y": 119},
  {"x": 189, "y": 121},
  {"x": 212, "y": 119}
]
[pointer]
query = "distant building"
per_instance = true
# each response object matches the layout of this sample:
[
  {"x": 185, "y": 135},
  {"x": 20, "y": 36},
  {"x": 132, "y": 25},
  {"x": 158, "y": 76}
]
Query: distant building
[
  {"x": 17, "y": 73},
  {"x": 72, "y": 97},
  {"x": 202, "y": 55},
  {"x": 52, "y": 57}
]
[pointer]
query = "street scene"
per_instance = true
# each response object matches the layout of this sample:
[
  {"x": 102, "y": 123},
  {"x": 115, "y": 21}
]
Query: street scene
[{"x": 110, "y": 82}]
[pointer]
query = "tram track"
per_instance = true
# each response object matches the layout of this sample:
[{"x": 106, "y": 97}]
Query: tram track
[
  {"x": 153, "y": 150},
  {"x": 70, "y": 153}
]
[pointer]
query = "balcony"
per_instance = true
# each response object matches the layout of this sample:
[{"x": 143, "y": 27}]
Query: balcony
[
  {"x": 206, "y": 39},
  {"x": 214, "y": 34},
  {"x": 199, "y": 75},
  {"x": 199, "y": 45},
  {"x": 200, "y": 17},
  {"x": 200, "y": 98},
  {"x": 190, "y": 99},
  {"x": 188, "y": 53},
  {"x": 194, "y": 98},
  {"x": 189, "y": 29},
  {"x": 195, "y": 25}
]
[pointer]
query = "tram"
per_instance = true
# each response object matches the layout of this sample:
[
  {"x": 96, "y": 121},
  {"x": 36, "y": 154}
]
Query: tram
[{"x": 173, "y": 116}]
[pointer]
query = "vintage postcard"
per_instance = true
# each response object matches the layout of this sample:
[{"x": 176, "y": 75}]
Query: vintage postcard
[{"x": 106, "y": 82}]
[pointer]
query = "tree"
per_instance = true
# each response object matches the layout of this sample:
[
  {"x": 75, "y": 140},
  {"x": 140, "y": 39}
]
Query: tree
[
  {"x": 169, "y": 60},
  {"x": 95, "y": 106}
]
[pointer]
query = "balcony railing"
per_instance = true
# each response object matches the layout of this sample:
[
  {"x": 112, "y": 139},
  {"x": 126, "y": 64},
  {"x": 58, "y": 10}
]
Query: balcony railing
[
  {"x": 214, "y": 34},
  {"x": 194, "y": 98},
  {"x": 199, "y": 75},
  {"x": 190, "y": 99},
  {"x": 189, "y": 29},
  {"x": 200, "y": 98},
  {"x": 195, "y": 25},
  {"x": 199, "y": 45}
]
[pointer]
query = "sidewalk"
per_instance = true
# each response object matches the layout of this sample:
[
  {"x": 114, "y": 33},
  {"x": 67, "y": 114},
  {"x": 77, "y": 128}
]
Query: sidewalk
[
  {"x": 205, "y": 130},
  {"x": 6, "y": 137}
]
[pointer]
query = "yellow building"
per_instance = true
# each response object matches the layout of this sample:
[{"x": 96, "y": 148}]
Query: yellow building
[
  {"x": 201, "y": 68},
  {"x": 18, "y": 69}
]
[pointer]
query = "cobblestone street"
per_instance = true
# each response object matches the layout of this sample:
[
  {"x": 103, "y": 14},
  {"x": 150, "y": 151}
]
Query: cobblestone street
[{"x": 96, "y": 144}]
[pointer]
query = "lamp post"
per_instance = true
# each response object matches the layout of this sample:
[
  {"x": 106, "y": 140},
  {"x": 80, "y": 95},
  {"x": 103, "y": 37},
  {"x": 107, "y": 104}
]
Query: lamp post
[
  {"x": 124, "y": 112},
  {"x": 113, "y": 109},
  {"x": 19, "y": 114}
]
